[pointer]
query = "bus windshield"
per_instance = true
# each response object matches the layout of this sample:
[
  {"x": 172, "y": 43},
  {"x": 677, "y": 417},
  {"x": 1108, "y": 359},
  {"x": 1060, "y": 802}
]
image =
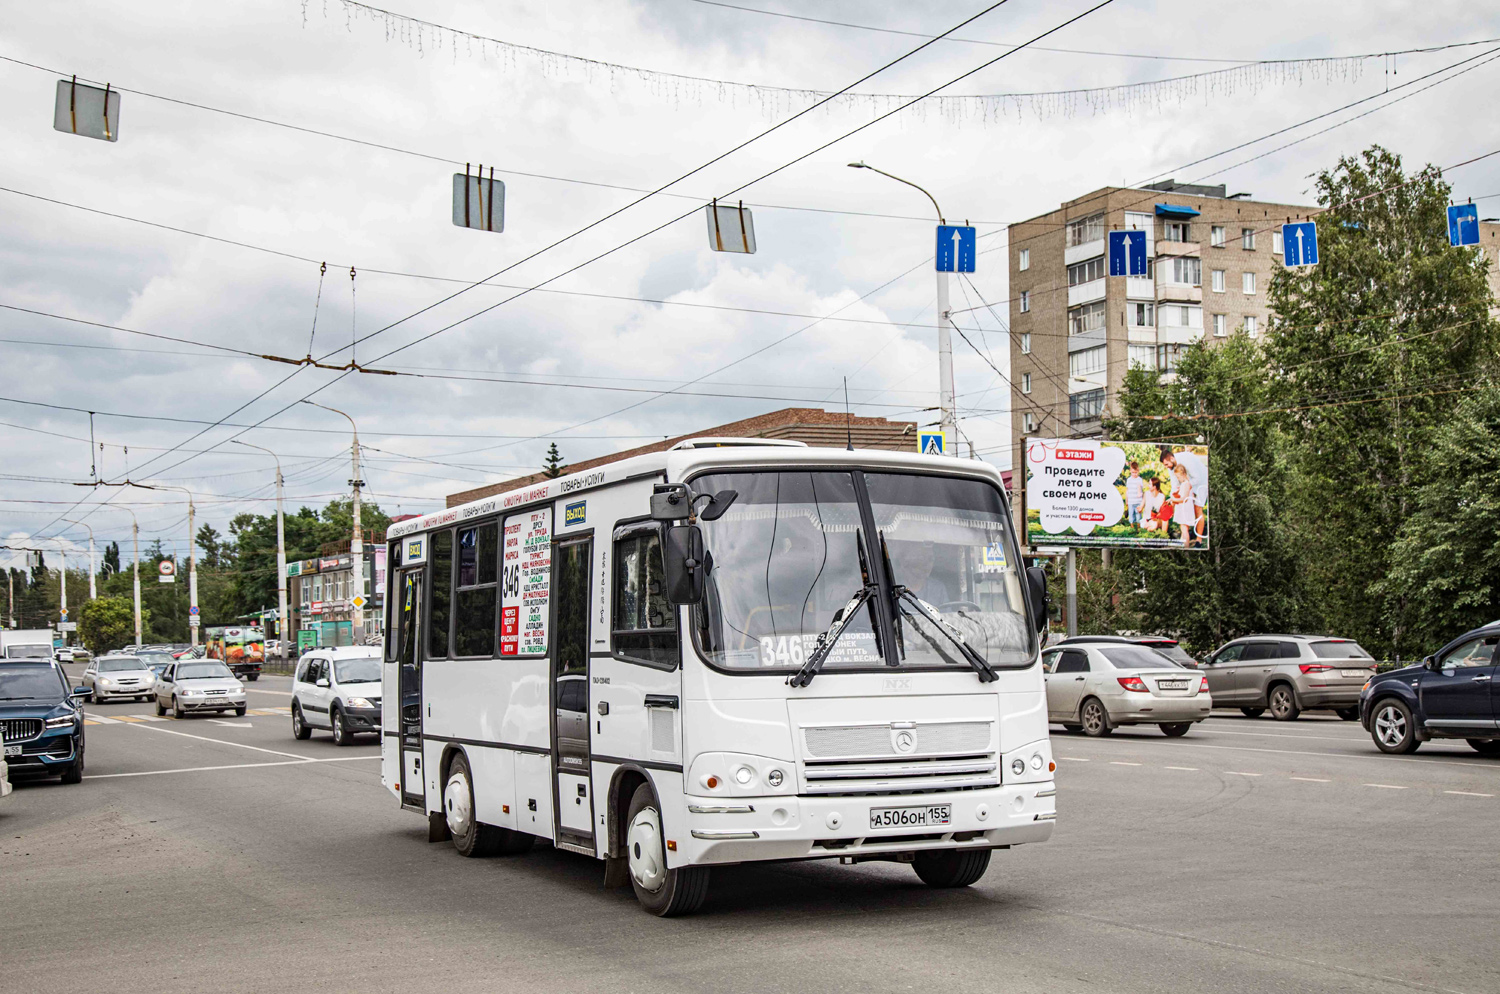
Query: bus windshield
[{"x": 787, "y": 555}]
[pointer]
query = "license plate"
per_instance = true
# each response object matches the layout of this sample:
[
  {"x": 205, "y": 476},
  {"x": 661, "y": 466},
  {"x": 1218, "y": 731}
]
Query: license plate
[
  {"x": 1172, "y": 684},
  {"x": 931, "y": 814},
  {"x": 1357, "y": 673},
  {"x": 13, "y": 750}
]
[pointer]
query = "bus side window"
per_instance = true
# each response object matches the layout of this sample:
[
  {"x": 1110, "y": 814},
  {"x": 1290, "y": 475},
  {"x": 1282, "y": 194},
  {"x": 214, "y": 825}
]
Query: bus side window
[
  {"x": 439, "y": 612},
  {"x": 644, "y": 624}
]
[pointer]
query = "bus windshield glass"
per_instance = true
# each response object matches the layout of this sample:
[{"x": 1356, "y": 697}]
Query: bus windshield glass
[{"x": 787, "y": 555}]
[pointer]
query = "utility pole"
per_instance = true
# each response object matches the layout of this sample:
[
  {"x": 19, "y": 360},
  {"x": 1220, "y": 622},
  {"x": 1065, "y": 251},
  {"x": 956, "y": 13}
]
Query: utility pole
[
  {"x": 357, "y": 540},
  {"x": 946, "y": 404},
  {"x": 192, "y": 563},
  {"x": 1072, "y": 587},
  {"x": 135, "y": 568},
  {"x": 281, "y": 616},
  {"x": 93, "y": 567},
  {"x": 62, "y": 574}
]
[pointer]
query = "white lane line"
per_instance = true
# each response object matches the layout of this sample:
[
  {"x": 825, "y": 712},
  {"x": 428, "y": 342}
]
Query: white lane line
[
  {"x": 1467, "y": 793},
  {"x": 231, "y": 724},
  {"x": 258, "y": 690},
  {"x": 1188, "y": 769},
  {"x": 1240, "y": 773},
  {"x": 1384, "y": 786},
  {"x": 1381, "y": 758},
  {"x": 1116, "y": 762},
  {"x": 1312, "y": 780},
  {"x": 1287, "y": 735},
  {"x": 237, "y": 745},
  {"x": 233, "y": 766},
  {"x": 1074, "y": 759}
]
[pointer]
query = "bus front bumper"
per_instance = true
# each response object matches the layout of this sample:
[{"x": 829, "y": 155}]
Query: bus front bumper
[{"x": 737, "y": 830}]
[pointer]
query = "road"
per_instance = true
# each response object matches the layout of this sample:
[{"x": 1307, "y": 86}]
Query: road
[{"x": 1251, "y": 855}]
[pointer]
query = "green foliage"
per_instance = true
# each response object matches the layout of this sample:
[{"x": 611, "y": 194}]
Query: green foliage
[
  {"x": 108, "y": 623},
  {"x": 553, "y": 465}
]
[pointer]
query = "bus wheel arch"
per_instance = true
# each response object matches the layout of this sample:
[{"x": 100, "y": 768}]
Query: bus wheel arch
[{"x": 622, "y": 788}]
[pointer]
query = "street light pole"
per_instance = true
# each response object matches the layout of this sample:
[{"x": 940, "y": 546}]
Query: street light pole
[
  {"x": 135, "y": 568},
  {"x": 281, "y": 616},
  {"x": 93, "y": 568},
  {"x": 946, "y": 401},
  {"x": 62, "y": 553},
  {"x": 193, "y": 618},
  {"x": 357, "y": 540}
]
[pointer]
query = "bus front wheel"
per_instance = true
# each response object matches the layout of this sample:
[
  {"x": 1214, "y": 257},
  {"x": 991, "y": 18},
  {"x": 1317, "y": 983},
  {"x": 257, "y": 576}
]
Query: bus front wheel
[
  {"x": 951, "y": 867},
  {"x": 663, "y": 891}
]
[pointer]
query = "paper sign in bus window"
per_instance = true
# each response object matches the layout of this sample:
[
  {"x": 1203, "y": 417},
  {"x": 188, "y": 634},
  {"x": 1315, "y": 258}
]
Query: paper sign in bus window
[{"x": 526, "y": 581}]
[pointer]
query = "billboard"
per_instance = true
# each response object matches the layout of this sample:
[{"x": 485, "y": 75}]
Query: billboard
[{"x": 1140, "y": 495}]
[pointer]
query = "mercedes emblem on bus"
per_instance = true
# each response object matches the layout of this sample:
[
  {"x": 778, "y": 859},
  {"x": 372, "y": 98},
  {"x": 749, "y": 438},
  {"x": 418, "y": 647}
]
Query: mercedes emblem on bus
[{"x": 903, "y": 737}]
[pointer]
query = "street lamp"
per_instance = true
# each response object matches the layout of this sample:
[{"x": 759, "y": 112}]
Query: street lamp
[
  {"x": 192, "y": 561},
  {"x": 62, "y": 574},
  {"x": 357, "y": 541},
  {"x": 135, "y": 569},
  {"x": 93, "y": 591},
  {"x": 945, "y": 344},
  {"x": 281, "y": 617}
]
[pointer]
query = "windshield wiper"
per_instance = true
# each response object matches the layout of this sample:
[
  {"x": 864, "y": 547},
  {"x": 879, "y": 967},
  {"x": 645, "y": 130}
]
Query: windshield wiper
[
  {"x": 986, "y": 672},
  {"x": 841, "y": 621}
]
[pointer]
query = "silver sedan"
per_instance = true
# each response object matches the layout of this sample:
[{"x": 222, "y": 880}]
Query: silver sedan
[
  {"x": 1096, "y": 687},
  {"x": 199, "y": 685},
  {"x": 115, "y": 676}
]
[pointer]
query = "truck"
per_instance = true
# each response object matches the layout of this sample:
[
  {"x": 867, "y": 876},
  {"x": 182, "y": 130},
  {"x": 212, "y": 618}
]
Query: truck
[
  {"x": 26, "y": 643},
  {"x": 241, "y": 648}
]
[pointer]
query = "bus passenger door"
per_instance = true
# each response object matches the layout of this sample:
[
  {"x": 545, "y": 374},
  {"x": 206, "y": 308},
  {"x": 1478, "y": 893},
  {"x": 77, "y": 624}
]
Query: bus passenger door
[
  {"x": 572, "y": 562},
  {"x": 409, "y": 720}
]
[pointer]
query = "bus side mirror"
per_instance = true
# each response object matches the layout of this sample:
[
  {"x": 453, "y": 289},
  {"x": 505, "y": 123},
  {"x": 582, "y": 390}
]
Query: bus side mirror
[
  {"x": 682, "y": 561},
  {"x": 671, "y": 502},
  {"x": 1036, "y": 588}
]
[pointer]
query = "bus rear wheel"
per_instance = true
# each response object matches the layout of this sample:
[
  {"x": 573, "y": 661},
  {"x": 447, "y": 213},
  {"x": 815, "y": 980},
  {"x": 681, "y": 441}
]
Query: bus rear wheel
[
  {"x": 951, "y": 867},
  {"x": 663, "y": 891},
  {"x": 472, "y": 837}
]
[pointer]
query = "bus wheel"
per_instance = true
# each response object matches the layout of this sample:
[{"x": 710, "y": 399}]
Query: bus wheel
[
  {"x": 951, "y": 867},
  {"x": 470, "y": 837},
  {"x": 662, "y": 891}
]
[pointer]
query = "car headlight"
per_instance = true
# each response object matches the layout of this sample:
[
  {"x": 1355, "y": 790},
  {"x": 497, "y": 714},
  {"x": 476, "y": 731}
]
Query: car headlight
[
  {"x": 191, "y": 693},
  {"x": 360, "y": 702},
  {"x": 105, "y": 681},
  {"x": 62, "y": 721}
]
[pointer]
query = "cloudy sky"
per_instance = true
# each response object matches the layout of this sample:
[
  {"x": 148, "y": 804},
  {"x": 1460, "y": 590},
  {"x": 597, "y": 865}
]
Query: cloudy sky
[{"x": 578, "y": 107}]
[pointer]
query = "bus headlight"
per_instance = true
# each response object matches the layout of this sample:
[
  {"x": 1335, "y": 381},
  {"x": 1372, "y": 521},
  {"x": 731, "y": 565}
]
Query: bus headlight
[
  {"x": 738, "y": 774},
  {"x": 1018, "y": 766},
  {"x": 1036, "y": 761},
  {"x": 774, "y": 778}
]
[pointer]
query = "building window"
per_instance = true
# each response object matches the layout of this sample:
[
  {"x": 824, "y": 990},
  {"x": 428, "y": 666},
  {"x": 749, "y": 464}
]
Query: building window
[
  {"x": 1276, "y": 245},
  {"x": 1086, "y": 361},
  {"x": 1220, "y": 323},
  {"x": 1142, "y": 314},
  {"x": 1025, "y": 301},
  {"x": 1180, "y": 315},
  {"x": 1177, "y": 231},
  {"x": 306, "y": 591},
  {"x": 1026, "y": 383},
  {"x": 1024, "y": 262},
  {"x": 1085, "y": 230},
  {"x": 1218, "y": 278},
  {"x": 1086, "y": 272},
  {"x": 1143, "y": 356},
  {"x": 1187, "y": 271},
  {"x": 1026, "y": 343},
  {"x": 1086, "y": 406},
  {"x": 1247, "y": 239},
  {"x": 1250, "y": 326},
  {"x": 645, "y": 624},
  {"x": 1248, "y": 281},
  {"x": 1216, "y": 235},
  {"x": 1089, "y": 317},
  {"x": 1028, "y": 423},
  {"x": 478, "y": 590},
  {"x": 1167, "y": 356}
]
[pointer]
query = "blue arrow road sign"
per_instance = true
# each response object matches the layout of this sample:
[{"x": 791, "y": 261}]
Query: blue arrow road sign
[
  {"x": 1463, "y": 224},
  {"x": 1127, "y": 253},
  {"x": 956, "y": 248},
  {"x": 1299, "y": 243}
]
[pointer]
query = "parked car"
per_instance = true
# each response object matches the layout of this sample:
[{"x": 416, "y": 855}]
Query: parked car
[
  {"x": 157, "y": 659},
  {"x": 1167, "y": 647},
  {"x": 198, "y": 685},
  {"x": 1289, "y": 674},
  {"x": 118, "y": 675},
  {"x": 1097, "y": 686},
  {"x": 41, "y": 721},
  {"x": 1451, "y": 694},
  {"x": 337, "y": 689}
]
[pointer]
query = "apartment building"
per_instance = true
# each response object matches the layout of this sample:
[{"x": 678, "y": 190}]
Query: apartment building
[{"x": 1076, "y": 330}]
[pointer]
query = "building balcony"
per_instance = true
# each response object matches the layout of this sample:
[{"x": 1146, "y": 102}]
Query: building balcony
[
  {"x": 1086, "y": 293},
  {"x": 1178, "y": 293},
  {"x": 1140, "y": 288},
  {"x": 1164, "y": 247},
  {"x": 1078, "y": 253},
  {"x": 1170, "y": 334}
]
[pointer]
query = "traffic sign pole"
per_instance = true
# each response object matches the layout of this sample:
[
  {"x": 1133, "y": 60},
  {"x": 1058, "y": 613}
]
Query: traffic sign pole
[{"x": 945, "y": 356}]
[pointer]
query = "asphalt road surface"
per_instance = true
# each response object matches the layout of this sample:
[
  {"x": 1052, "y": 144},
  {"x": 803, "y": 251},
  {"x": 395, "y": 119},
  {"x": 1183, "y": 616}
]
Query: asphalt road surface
[{"x": 1251, "y": 855}]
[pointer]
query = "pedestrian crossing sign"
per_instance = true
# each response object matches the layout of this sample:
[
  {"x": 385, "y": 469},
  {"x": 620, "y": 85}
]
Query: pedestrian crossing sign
[{"x": 933, "y": 443}]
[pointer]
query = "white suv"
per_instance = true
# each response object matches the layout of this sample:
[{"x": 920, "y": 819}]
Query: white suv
[{"x": 337, "y": 689}]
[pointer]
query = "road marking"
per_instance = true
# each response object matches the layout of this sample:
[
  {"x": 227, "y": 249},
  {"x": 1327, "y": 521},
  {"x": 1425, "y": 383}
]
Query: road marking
[
  {"x": 1382, "y": 757},
  {"x": 278, "y": 693},
  {"x": 234, "y": 766},
  {"x": 1311, "y": 780},
  {"x": 1189, "y": 769},
  {"x": 1240, "y": 773},
  {"x": 1116, "y": 762},
  {"x": 1467, "y": 793},
  {"x": 129, "y": 717},
  {"x": 1385, "y": 786},
  {"x": 237, "y": 745},
  {"x": 1074, "y": 759},
  {"x": 231, "y": 724}
]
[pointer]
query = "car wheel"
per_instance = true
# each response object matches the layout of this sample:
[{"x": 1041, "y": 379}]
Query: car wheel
[
  {"x": 1252, "y": 712},
  {"x": 1073, "y": 728},
  {"x": 253, "y": 677},
  {"x": 160, "y": 708},
  {"x": 239, "y": 712},
  {"x": 1392, "y": 727},
  {"x": 300, "y": 729},
  {"x": 1347, "y": 714},
  {"x": 1176, "y": 729},
  {"x": 662, "y": 891},
  {"x": 341, "y": 734},
  {"x": 74, "y": 773},
  {"x": 177, "y": 711},
  {"x": 950, "y": 867},
  {"x": 1095, "y": 718},
  {"x": 1485, "y": 747},
  {"x": 1284, "y": 703}
]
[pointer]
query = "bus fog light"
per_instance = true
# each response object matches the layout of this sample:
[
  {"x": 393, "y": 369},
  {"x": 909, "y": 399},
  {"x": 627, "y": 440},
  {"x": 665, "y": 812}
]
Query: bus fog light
[
  {"x": 743, "y": 776},
  {"x": 1018, "y": 766},
  {"x": 774, "y": 778},
  {"x": 982, "y": 812},
  {"x": 779, "y": 817},
  {"x": 1036, "y": 761}
]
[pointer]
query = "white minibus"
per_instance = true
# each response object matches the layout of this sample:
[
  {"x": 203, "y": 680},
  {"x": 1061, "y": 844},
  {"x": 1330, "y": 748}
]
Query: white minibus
[{"x": 733, "y": 650}]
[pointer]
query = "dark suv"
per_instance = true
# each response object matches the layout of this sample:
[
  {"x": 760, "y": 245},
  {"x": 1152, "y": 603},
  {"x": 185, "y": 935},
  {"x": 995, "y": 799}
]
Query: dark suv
[
  {"x": 41, "y": 721},
  {"x": 1451, "y": 695}
]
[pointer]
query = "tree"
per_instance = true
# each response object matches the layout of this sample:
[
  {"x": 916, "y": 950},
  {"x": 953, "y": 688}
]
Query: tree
[
  {"x": 108, "y": 623},
  {"x": 1247, "y": 580},
  {"x": 1371, "y": 348},
  {"x": 208, "y": 539},
  {"x": 111, "y": 562},
  {"x": 553, "y": 466}
]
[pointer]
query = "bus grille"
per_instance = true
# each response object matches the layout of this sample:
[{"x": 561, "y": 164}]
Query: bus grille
[
  {"x": 932, "y": 738},
  {"x": 901, "y": 776}
]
